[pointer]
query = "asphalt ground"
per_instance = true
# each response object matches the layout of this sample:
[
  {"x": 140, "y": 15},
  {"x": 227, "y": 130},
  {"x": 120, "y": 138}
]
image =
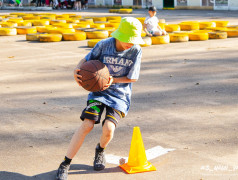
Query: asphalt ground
[{"x": 186, "y": 99}]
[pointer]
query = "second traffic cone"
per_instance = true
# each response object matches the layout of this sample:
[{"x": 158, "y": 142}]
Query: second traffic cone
[{"x": 137, "y": 161}]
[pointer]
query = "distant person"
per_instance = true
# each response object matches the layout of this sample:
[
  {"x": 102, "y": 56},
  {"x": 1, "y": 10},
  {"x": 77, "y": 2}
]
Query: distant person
[
  {"x": 151, "y": 26},
  {"x": 84, "y": 4},
  {"x": 78, "y": 5}
]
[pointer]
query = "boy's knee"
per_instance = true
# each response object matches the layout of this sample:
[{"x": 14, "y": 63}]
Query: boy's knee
[
  {"x": 109, "y": 128},
  {"x": 88, "y": 125}
]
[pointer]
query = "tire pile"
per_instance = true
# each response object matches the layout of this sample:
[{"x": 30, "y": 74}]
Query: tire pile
[{"x": 48, "y": 27}]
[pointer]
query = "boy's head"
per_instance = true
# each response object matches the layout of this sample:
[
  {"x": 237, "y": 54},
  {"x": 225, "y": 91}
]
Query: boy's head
[
  {"x": 129, "y": 32},
  {"x": 152, "y": 11}
]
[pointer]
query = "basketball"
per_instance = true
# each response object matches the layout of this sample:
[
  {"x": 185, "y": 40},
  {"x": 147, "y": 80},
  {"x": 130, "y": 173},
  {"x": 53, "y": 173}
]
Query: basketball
[{"x": 95, "y": 75}]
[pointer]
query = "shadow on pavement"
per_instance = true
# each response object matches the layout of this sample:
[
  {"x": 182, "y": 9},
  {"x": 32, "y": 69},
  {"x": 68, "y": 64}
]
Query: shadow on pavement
[
  {"x": 74, "y": 169},
  {"x": 85, "y": 169}
]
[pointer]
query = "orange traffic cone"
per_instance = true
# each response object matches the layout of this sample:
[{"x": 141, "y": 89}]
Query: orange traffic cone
[{"x": 137, "y": 161}]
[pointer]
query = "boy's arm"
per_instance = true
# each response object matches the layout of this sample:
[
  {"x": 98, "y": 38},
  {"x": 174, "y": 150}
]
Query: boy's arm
[
  {"x": 123, "y": 79},
  {"x": 146, "y": 31}
]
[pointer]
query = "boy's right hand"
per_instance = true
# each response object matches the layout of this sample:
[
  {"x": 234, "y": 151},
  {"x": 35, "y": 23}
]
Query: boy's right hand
[
  {"x": 150, "y": 35},
  {"x": 77, "y": 77}
]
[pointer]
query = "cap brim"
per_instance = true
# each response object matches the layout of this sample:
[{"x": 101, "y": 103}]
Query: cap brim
[{"x": 127, "y": 39}]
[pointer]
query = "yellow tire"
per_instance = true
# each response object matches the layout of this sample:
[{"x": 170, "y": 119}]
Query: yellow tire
[
  {"x": 179, "y": 38},
  {"x": 8, "y": 31},
  {"x": 93, "y": 42},
  {"x": 117, "y": 18},
  {"x": 217, "y": 28},
  {"x": 31, "y": 17},
  {"x": 113, "y": 10},
  {"x": 62, "y": 16},
  {"x": 76, "y": 17},
  {"x": 48, "y": 17},
  {"x": 203, "y": 31},
  {"x": 89, "y": 20},
  {"x": 25, "y": 23},
  {"x": 78, "y": 36},
  {"x": 125, "y": 11},
  {"x": 97, "y": 34},
  {"x": 160, "y": 39},
  {"x": 97, "y": 25},
  {"x": 115, "y": 25},
  {"x": 147, "y": 40},
  {"x": 162, "y": 25},
  {"x": 9, "y": 16},
  {"x": 33, "y": 37},
  {"x": 61, "y": 30},
  {"x": 204, "y": 25},
  {"x": 50, "y": 37},
  {"x": 183, "y": 32},
  {"x": 99, "y": 19},
  {"x": 63, "y": 25},
  {"x": 84, "y": 29},
  {"x": 26, "y": 30},
  {"x": 189, "y": 26},
  {"x": 52, "y": 22},
  {"x": 9, "y": 24},
  {"x": 44, "y": 29},
  {"x": 83, "y": 25},
  {"x": 198, "y": 36},
  {"x": 143, "y": 33},
  {"x": 232, "y": 33},
  {"x": 75, "y": 21},
  {"x": 141, "y": 19},
  {"x": 232, "y": 27},
  {"x": 217, "y": 35},
  {"x": 41, "y": 22},
  {"x": 15, "y": 20},
  {"x": 172, "y": 27},
  {"x": 221, "y": 23}
]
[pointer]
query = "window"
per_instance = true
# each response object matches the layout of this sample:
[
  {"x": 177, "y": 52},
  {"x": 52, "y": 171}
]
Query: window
[
  {"x": 221, "y": 2},
  {"x": 182, "y": 3},
  {"x": 137, "y": 2},
  {"x": 117, "y": 2},
  {"x": 147, "y": 3},
  {"x": 207, "y": 2},
  {"x": 91, "y": 2}
]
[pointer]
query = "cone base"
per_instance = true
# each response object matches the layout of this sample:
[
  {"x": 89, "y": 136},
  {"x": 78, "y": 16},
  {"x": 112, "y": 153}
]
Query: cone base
[{"x": 138, "y": 169}]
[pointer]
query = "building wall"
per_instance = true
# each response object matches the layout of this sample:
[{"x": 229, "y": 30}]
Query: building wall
[
  {"x": 191, "y": 4},
  {"x": 99, "y": 2},
  {"x": 158, "y": 4},
  {"x": 233, "y": 4},
  {"x": 194, "y": 2},
  {"x": 127, "y": 2}
]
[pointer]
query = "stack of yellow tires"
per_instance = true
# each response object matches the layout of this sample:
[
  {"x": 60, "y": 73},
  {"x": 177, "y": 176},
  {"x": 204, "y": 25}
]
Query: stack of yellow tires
[{"x": 50, "y": 27}]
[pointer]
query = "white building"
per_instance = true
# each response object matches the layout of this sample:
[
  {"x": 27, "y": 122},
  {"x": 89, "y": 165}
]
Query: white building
[{"x": 176, "y": 4}]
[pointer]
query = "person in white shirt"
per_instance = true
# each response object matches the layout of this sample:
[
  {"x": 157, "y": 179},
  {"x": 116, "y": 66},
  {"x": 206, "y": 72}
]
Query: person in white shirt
[{"x": 151, "y": 26}]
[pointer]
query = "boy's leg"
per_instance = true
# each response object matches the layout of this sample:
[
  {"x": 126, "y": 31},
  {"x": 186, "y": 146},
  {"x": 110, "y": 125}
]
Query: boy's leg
[
  {"x": 109, "y": 125},
  {"x": 75, "y": 144},
  {"x": 78, "y": 137},
  {"x": 107, "y": 133}
]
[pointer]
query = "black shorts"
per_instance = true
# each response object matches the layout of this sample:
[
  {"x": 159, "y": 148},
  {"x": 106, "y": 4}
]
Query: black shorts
[{"x": 94, "y": 111}]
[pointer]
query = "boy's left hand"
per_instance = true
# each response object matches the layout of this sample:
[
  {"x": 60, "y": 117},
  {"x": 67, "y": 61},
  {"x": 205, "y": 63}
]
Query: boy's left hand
[{"x": 109, "y": 83}]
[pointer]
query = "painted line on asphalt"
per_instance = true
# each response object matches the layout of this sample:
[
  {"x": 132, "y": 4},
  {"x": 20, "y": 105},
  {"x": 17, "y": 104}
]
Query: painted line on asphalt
[{"x": 150, "y": 154}]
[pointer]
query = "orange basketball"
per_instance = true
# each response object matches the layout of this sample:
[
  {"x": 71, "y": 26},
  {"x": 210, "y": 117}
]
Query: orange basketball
[{"x": 95, "y": 75}]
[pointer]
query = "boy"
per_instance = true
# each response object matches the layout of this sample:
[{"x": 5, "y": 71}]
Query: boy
[
  {"x": 151, "y": 26},
  {"x": 122, "y": 55}
]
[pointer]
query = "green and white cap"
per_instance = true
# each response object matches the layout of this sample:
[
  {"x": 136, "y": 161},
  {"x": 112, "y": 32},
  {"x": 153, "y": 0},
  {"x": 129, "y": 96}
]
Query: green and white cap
[{"x": 129, "y": 31}]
